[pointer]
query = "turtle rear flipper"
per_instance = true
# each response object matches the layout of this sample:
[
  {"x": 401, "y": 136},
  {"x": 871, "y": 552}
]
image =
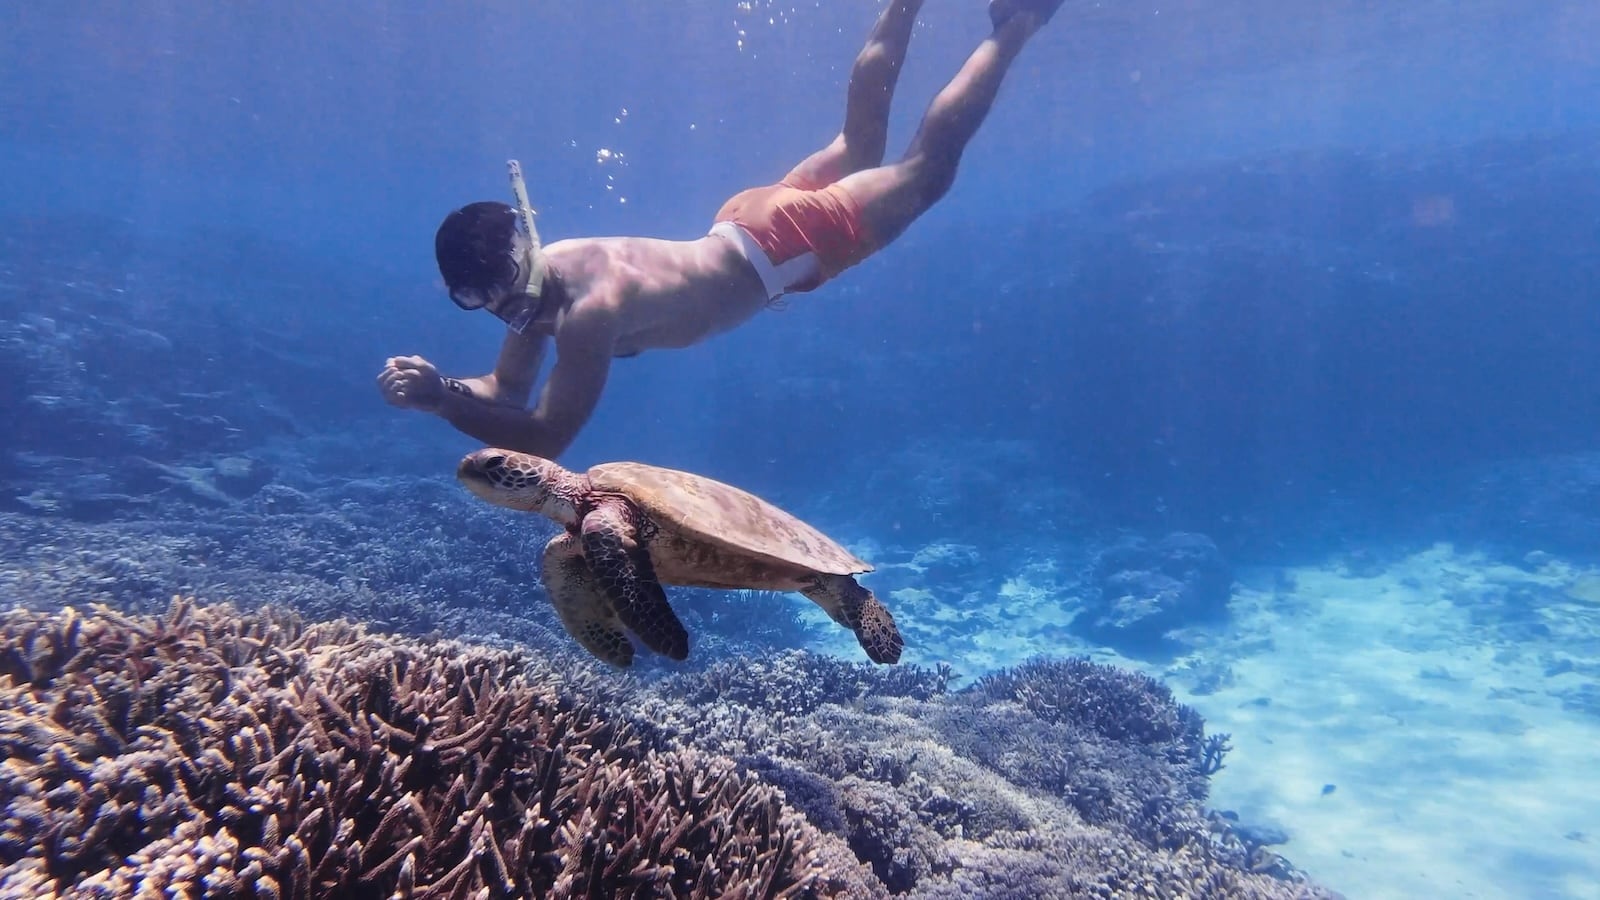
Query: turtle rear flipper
[
  {"x": 853, "y": 606},
  {"x": 585, "y": 610},
  {"x": 622, "y": 568}
]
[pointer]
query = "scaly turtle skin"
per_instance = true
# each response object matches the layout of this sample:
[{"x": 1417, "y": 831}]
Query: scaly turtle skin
[{"x": 631, "y": 527}]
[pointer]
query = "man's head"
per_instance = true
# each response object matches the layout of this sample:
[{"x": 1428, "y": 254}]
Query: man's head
[{"x": 484, "y": 259}]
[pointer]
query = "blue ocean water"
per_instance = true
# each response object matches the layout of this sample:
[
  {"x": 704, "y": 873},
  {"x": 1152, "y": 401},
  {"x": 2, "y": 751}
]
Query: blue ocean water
[{"x": 1279, "y": 318}]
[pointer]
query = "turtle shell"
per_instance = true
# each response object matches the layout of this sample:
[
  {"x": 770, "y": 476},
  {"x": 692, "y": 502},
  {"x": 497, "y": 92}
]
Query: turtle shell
[{"x": 721, "y": 515}]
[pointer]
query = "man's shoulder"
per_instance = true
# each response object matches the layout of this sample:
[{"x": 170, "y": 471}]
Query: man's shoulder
[{"x": 609, "y": 273}]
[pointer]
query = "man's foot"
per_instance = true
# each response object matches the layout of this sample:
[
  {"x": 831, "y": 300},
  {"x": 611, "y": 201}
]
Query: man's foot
[{"x": 1001, "y": 11}]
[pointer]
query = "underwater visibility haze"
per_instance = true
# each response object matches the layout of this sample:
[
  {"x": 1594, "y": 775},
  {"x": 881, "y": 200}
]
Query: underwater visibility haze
[{"x": 1180, "y": 478}]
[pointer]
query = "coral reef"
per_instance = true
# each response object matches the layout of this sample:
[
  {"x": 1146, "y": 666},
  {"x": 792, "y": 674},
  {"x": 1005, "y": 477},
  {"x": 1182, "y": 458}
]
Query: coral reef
[
  {"x": 205, "y": 753},
  {"x": 1060, "y": 778},
  {"x": 209, "y": 752}
]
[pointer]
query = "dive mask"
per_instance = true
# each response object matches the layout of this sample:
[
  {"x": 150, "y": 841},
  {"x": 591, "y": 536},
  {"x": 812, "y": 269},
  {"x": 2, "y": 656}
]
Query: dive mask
[{"x": 516, "y": 308}]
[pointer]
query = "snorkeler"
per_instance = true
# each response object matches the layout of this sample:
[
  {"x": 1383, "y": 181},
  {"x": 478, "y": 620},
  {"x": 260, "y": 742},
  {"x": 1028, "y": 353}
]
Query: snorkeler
[{"x": 602, "y": 298}]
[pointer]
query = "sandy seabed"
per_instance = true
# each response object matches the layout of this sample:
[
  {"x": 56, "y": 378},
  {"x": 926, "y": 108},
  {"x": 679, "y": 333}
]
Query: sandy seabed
[{"x": 1425, "y": 728}]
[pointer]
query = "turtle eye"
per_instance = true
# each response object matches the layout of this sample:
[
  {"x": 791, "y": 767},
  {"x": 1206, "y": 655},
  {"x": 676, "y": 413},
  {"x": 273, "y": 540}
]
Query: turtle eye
[{"x": 494, "y": 462}]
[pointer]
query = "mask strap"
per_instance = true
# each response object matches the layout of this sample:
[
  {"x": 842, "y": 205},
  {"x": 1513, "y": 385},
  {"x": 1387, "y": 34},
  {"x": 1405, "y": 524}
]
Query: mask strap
[{"x": 536, "y": 269}]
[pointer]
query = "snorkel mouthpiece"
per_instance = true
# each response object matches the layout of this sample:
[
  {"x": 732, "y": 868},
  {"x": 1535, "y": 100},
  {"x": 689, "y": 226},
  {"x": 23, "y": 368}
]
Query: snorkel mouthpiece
[
  {"x": 536, "y": 267},
  {"x": 520, "y": 318}
]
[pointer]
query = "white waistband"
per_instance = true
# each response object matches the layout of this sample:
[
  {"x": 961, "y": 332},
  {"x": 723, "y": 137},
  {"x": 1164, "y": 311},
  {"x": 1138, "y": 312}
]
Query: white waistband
[{"x": 775, "y": 278}]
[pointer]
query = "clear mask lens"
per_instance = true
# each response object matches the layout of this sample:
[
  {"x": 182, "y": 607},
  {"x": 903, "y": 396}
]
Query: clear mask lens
[
  {"x": 472, "y": 297},
  {"x": 468, "y": 298}
]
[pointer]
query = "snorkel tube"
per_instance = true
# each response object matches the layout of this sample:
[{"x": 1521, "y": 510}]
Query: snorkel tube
[
  {"x": 518, "y": 316},
  {"x": 536, "y": 268}
]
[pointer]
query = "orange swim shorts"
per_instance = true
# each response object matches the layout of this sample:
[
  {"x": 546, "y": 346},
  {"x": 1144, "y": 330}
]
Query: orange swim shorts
[{"x": 797, "y": 236}]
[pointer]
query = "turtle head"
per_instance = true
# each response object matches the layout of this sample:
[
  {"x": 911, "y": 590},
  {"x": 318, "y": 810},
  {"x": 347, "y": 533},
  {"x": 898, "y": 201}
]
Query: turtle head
[{"x": 522, "y": 481}]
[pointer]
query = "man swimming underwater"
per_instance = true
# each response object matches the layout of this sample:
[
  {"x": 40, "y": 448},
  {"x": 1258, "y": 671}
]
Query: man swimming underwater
[{"x": 603, "y": 298}]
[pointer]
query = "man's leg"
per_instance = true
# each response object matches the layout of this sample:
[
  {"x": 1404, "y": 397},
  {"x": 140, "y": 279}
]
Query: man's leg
[
  {"x": 893, "y": 196},
  {"x": 861, "y": 143}
]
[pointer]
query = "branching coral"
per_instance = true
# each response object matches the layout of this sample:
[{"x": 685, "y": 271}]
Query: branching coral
[
  {"x": 208, "y": 754},
  {"x": 1117, "y": 703},
  {"x": 1059, "y": 778},
  {"x": 795, "y": 682}
]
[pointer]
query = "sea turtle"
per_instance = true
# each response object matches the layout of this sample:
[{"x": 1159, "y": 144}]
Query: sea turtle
[{"x": 631, "y": 527}]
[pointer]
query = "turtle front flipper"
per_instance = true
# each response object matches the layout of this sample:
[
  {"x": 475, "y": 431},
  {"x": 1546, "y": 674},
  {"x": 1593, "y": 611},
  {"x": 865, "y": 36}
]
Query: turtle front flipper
[
  {"x": 585, "y": 610},
  {"x": 621, "y": 566},
  {"x": 853, "y": 606}
]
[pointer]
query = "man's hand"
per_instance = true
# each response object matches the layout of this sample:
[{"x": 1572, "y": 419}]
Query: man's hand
[{"x": 411, "y": 382}]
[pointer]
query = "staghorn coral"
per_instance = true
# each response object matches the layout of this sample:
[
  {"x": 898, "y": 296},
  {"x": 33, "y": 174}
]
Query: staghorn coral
[
  {"x": 204, "y": 753},
  {"x": 795, "y": 682},
  {"x": 1058, "y": 778},
  {"x": 1117, "y": 703}
]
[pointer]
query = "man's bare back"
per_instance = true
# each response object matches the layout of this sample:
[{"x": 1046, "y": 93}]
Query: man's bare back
[
  {"x": 663, "y": 294},
  {"x": 597, "y": 299}
]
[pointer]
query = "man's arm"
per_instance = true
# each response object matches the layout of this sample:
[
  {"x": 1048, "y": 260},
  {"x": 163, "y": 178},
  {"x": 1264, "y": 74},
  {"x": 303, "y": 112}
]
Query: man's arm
[
  {"x": 411, "y": 382},
  {"x": 510, "y": 384},
  {"x": 491, "y": 408}
]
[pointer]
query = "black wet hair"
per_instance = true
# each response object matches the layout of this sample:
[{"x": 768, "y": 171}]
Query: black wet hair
[{"x": 473, "y": 246}]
